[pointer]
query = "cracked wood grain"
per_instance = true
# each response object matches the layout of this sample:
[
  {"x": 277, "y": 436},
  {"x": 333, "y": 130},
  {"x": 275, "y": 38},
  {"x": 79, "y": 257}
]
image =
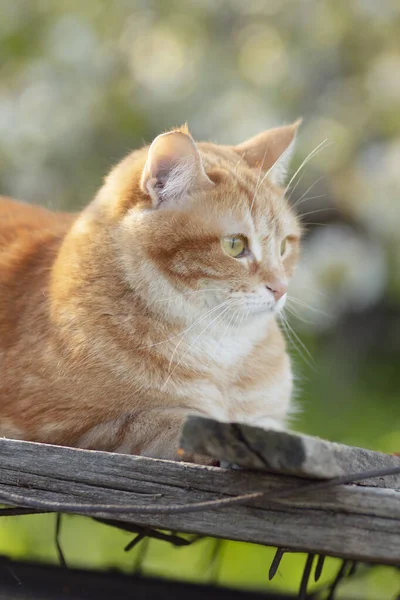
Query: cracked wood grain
[
  {"x": 360, "y": 523},
  {"x": 283, "y": 452}
]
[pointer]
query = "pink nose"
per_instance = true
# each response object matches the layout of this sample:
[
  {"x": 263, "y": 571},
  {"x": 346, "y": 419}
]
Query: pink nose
[{"x": 278, "y": 288}]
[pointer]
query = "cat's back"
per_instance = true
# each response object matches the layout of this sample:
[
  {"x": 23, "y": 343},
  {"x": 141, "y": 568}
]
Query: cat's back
[
  {"x": 29, "y": 237},
  {"x": 29, "y": 240},
  {"x": 26, "y": 223}
]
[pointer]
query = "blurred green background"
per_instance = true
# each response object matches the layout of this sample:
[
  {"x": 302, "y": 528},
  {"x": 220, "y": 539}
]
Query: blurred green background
[{"x": 83, "y": 83}]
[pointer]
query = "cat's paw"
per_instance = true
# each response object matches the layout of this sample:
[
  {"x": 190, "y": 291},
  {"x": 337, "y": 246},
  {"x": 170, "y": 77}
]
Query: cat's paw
[
  {"x": 269, "y": 423},
  {"x": 198, "y": 459},
  {"x": 224, "y": 464}
]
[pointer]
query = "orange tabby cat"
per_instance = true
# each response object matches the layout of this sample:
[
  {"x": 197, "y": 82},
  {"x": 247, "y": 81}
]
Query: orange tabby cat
[{"x": 157, "y": 300}]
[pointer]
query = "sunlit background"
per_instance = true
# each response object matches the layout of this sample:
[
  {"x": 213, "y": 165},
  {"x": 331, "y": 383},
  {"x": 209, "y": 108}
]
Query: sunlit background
[{"x": 83, "y": 83}]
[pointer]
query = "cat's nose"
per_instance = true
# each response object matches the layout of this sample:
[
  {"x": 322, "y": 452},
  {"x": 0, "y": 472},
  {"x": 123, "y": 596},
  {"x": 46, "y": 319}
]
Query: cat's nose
[{"x": 277, "y": 287}]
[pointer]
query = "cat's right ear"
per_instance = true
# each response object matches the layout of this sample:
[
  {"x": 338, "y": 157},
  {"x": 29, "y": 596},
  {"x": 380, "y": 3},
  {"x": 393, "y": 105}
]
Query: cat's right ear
[
  {"x": 271, "y": 151},
  {"x": 173, "y": 169}
]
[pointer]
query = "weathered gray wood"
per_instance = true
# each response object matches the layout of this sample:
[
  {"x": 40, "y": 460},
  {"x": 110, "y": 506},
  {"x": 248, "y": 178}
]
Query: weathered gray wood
[
  {"x": 283, "y": 452},
  {"x": 347, "y": 521}
]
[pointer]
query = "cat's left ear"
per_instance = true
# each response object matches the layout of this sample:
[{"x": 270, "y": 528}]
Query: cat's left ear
[
  {"x": 173, "y": 169},
  {"x": 271, "y": 151}
]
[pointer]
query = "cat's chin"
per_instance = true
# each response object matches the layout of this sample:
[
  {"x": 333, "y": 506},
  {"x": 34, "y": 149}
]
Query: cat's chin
[
  {"x": 262, "y": 312},
  {"x": 280, "y": 304}
]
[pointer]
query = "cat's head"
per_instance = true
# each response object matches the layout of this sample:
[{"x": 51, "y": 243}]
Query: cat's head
[{"x": 208, "y": 224}]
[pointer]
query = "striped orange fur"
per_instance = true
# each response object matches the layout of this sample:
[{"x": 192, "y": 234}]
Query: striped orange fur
[{"x": 117, "y": 322}]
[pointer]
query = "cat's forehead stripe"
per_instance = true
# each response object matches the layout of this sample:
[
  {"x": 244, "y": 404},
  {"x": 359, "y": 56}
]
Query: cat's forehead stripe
[{"x": 244, "y": 178}]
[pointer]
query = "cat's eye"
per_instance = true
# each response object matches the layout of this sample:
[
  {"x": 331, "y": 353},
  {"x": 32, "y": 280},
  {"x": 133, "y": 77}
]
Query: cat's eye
[
  {"x": 235, "y": 245},
  {"x": 283, "y": 246}
]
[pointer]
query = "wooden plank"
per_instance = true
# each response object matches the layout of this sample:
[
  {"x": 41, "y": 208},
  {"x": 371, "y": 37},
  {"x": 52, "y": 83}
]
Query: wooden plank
[
  {"x": 355, "y": 522},
  {"x": 284, "y": 452}
]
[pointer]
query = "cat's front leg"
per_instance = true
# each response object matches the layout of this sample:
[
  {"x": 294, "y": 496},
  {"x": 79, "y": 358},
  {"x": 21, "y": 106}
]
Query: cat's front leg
[
  {"x": 267, "y": 423},
  {"x": 156, "y": 434}
]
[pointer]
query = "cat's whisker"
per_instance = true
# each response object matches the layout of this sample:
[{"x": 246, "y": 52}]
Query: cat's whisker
[
  {"x": 240, "y": 323},
  {"x": 258, "y": 178},
  {"x": 295, "y": 186},
  {"x": 313, "y": 289},
  {"x": 295, "y": 314},
  {"x": 214, "y": 354},
  {"x": 283, "y": 322},
  {"x": 318, "y": 210},
  {"x": 209, "y": 312},
  {"x": 238, "y": 315},
  {"x": 312, "y": 198},
  {"x": 301, "y": 199},
  {"x": 321, "y": 146},
  {"x": 305, "y": 305},
  {"x": 288, "y": 328},
  {"x": 187, "y": 294},
  {"x": 283, "y": 155},
  {"x": 236, "y": 323},
  {"x": 181, "y": 333},
  {"x": 314, "y": 224},
  {"x": 217, "y": 320},
  {"x": 224, "y": 310},
  {"x": 287, "y": 333}
]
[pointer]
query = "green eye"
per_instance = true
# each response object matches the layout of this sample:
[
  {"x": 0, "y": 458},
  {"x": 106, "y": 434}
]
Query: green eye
[
  {"x": 234, "y": 245},
  {"x": 283, "y": 246}
]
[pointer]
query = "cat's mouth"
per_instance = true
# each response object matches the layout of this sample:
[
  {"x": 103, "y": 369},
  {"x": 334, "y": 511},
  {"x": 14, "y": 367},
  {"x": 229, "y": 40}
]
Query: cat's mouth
[{"x": 264, "y": 305}]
